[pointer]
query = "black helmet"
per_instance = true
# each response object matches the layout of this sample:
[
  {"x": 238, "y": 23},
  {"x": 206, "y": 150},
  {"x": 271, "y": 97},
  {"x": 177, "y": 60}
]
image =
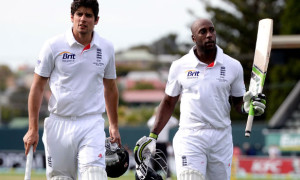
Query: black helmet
[
  {"x": 144, "y": 171},
  {"x": 120, "y": 166},
  {"x": 149, "y": 174}
]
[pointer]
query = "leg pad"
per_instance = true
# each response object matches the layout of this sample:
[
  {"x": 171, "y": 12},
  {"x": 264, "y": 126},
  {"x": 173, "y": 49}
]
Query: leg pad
[
  {"x": 190, "y": 174},
  {"x": 94, "y": 173},
  {"x": 61, "y": 178}
]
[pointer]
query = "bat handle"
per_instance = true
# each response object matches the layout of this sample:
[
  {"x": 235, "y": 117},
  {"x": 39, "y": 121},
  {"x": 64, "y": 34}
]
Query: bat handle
[
  {"x": 249, "y": 120},
  {"x": 28, "y": 164}
]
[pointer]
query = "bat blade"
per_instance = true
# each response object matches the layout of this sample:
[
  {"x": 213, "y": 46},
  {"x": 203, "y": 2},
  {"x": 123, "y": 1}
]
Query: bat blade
[
  {"x": 260, "y": 64},
  {"x": 28, "y": 164}
]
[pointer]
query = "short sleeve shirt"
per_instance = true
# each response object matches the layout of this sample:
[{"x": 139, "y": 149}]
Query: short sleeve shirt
[
  {"x": 205, "y": 89},
  {"x": 76, "y": 73}
]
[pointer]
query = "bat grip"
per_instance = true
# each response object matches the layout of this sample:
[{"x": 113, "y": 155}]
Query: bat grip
[
  {"x": 249, "y": 120},
  {"x": 28, "y": 164}
]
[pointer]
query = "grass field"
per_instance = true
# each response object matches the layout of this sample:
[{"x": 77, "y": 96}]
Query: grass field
[
  {"x": 17, "y": 175},
  {"x": 128, "y": 176},
  {"x": 39, "y": 176}
]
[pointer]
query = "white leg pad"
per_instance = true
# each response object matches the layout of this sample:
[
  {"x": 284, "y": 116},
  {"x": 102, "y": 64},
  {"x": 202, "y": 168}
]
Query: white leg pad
[
  {"x": 61, "y": 178},
  {"x": 190, "y": 174},
  {"x": 94, "y": 173}
]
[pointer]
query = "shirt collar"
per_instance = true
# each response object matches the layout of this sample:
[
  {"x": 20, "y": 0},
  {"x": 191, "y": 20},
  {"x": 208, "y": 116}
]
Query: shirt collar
[
  {"x": 195, "y": 60},
  {"x": 70, "y": 37},
  {"x": 71, "y": 40}
]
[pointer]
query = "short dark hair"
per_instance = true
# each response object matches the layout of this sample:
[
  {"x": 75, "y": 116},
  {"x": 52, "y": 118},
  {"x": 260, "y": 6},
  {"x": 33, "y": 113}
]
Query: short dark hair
[{"x": 93, "y": 4}]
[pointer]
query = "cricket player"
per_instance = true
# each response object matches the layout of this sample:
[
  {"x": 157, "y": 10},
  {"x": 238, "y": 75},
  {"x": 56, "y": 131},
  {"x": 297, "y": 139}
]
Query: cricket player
[
  {"x": 207, "y": 81},
  {"x": 79, "y": 66}
]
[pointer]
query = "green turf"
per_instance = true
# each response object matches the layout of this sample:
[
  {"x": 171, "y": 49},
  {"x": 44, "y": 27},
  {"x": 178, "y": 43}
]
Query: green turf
[
  {"x": 13, "y": 175},
  {"x": 19, "y": 175}
]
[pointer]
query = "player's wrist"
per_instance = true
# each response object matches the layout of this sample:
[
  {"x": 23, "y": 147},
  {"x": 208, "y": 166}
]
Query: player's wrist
[{"x": 153, "y": 135}]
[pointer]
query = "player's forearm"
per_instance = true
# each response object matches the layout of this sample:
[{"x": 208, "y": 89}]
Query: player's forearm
[
  {"x": 239, "y": 108},
  {"x": 35, "y": 100},
  {"x": 112, "y": 101},
  {"x": 112, "y": 113},
  {"x": 165, "y": 111},
  {"x": 237, "y": 103},
  {"x": 34, "y": 103}
]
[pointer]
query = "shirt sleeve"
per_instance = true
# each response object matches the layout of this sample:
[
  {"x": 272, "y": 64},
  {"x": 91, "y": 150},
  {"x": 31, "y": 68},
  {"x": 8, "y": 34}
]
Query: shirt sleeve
[
  {"x": 110, "y": 69},
  {"x": 238, "y": 86},
  {"x": 173, "y": 87},
  {"x": 45, "y": 62}
]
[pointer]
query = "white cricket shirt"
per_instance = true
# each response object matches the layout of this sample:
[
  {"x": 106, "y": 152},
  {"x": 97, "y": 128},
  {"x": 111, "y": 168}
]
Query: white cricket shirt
[
  {"x": 205, "y": 89},
  {"x": 76, "y": 73}
]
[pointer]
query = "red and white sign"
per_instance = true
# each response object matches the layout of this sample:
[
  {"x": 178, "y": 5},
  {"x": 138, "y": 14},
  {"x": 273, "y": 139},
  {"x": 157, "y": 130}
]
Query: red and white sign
[{"x": 265, "y": 165}]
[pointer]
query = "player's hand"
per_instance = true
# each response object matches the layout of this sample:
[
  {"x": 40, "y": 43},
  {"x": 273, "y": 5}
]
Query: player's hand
[
  {"x": 115, "y": 135},
  {"x": 145, "y": 147},
  {"x": 30, "y": 138},
  {"x": 258, "y": 102}
]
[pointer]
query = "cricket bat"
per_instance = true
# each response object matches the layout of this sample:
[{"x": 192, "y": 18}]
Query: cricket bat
[
  {"x": 260, "y": 64},
  {"x": 28, "y": 164}
]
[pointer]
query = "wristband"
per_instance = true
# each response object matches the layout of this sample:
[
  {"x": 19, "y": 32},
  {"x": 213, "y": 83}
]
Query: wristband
[{"x": 153, "y": 135}]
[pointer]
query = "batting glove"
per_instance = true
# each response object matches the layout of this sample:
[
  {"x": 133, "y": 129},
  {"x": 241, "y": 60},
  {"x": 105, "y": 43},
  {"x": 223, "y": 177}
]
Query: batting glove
[
  {"x": 258, "y": 103},
  {"x": 145, "y": 147}
]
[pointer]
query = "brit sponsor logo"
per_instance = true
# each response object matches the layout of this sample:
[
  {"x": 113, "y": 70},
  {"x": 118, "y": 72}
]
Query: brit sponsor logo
[
  {"x": 192, "y": 74},
  {"x": 67, "y": 56}
]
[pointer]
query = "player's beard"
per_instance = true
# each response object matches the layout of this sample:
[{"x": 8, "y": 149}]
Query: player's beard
[{"x": 208, "y": 48}]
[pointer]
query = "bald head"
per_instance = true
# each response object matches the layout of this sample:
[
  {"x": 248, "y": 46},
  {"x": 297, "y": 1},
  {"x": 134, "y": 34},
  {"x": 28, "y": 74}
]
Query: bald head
[
  {"x": 199, "y": 23},
  {"x": 204, "y": 35}
]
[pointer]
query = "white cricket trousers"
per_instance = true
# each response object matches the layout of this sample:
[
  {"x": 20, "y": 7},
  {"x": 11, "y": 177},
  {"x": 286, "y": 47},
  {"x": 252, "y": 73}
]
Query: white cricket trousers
[
  {"x": 208, "y": 151},
  {"x": 73, "y": 143}
]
